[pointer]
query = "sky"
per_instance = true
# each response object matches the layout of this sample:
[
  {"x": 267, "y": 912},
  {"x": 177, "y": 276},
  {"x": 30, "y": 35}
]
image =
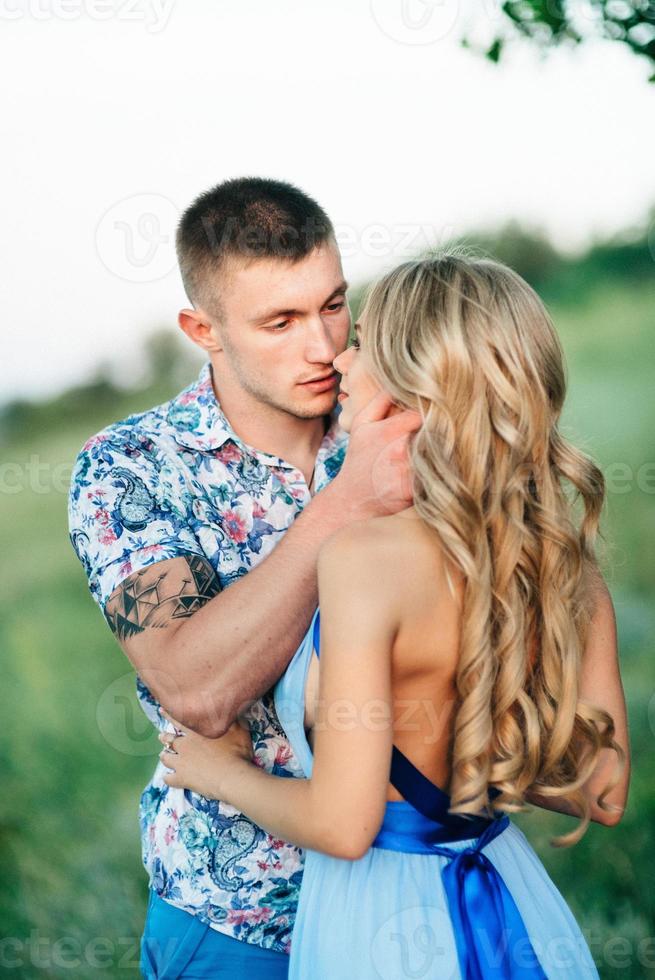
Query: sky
[{"x": 117, "y": 113}]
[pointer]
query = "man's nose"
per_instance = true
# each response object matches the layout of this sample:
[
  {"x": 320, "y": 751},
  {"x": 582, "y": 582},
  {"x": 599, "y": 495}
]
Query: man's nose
[
  {"x": 340, "y": 362},
  {"x": 320, "y": 345}
]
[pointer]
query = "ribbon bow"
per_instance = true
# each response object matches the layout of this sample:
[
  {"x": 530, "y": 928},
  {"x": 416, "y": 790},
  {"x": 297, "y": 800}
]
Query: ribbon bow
[{"x": 491, "y": 938}]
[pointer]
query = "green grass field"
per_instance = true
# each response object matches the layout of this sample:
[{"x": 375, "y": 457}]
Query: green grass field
[{"x": 74, "y": 892}]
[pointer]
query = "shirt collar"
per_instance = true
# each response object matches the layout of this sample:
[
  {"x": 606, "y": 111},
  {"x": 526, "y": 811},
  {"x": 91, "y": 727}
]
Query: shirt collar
[{"x": 198, "y": 422}]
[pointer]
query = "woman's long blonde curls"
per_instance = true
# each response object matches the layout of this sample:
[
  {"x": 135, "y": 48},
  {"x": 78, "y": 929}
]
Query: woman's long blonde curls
[{"x": 468, "y": 343}]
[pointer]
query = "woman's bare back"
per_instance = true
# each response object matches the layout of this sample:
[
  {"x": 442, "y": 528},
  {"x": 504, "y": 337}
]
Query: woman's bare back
[{"x": 424, "y": 654}]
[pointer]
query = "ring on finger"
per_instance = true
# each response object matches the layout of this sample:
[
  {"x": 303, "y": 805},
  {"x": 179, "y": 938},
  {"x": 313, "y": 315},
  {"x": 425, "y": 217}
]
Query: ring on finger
[{"x": 168, "y": 745}]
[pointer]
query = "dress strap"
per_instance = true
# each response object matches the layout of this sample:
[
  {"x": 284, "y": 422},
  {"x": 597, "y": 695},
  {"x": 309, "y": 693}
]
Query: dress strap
[{"x": 424, "y": 795}]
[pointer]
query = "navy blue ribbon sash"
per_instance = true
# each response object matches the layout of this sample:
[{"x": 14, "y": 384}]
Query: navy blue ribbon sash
[
  {"x": 492, "y": 941},
  {"x": 491, "y": 938}
]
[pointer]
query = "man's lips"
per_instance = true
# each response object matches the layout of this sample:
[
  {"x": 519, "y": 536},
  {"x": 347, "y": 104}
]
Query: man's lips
[
  {"x": 323, "y": 377},
  {"x": 323, "y": 383}
]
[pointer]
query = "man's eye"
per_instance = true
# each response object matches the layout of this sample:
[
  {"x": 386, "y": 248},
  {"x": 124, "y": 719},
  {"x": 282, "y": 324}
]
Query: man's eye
[
  {"x": 333, "y": 307},
  {"x": 280, "y": 325}
]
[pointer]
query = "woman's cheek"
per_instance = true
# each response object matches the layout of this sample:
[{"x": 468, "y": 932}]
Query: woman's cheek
[{"x": 344, "y": 415}]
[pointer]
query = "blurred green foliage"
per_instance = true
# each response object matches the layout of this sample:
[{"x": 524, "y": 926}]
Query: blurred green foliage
[
  {"x": 547, "y": 23},
  {"x": 74, "y": 893}
]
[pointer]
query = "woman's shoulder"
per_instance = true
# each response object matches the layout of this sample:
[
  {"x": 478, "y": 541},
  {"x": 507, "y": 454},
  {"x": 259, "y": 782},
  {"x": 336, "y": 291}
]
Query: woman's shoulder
[
  {"x": 353, "y": 551},
  {"x": 362, "y": 540},
  {"x": 391, "y": 548}
]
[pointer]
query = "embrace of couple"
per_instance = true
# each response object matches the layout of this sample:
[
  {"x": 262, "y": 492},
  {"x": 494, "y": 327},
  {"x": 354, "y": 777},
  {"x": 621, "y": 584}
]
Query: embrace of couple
[{"x": 364, "y": 610}]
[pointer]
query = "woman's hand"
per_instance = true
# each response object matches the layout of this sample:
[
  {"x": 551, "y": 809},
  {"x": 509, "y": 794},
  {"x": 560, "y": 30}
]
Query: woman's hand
[{"x": 205, "y": 765}]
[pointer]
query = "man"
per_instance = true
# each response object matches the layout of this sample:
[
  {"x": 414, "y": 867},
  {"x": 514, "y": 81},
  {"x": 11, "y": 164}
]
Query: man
[{"x": 199, "y": 523}]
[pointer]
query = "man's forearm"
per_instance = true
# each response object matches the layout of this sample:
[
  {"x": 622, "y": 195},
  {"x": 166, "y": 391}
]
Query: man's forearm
[
  {"x": 204, "y": 652},
  {"x": 234, "y": 648}
]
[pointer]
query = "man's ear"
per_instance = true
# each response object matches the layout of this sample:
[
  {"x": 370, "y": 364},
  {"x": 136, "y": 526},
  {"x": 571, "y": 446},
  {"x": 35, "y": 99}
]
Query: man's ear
[{"x": 198, "y": 327}]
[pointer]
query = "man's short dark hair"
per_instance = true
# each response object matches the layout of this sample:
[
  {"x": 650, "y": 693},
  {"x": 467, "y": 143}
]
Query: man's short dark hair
[{"x": 246, "y": 218}]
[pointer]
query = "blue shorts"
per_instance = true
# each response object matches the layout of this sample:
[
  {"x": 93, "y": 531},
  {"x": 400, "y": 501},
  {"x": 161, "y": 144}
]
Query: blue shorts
[{"x": 175, "y": 944}]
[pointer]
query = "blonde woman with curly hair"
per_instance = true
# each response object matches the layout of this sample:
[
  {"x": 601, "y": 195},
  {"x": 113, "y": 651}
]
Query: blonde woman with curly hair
[{"x": 471, "y": 634}]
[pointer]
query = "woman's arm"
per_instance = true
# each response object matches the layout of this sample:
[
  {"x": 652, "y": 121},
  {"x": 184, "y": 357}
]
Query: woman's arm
[
  {"x": 600, "y": 685},
  {"x": 340, "y": 809}
]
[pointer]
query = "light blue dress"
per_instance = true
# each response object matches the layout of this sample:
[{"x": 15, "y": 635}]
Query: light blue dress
[{"x": 435, "y": 897}]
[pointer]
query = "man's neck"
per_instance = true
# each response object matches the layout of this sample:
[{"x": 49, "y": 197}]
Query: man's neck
[{"x": 270, "y": 430}]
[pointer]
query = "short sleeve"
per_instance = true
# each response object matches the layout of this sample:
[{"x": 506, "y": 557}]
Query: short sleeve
[{"x": 122, "y": 513}]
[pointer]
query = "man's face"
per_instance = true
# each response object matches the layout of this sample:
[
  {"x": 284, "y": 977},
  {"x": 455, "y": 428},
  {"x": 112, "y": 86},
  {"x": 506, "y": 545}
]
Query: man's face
[{"x": 282, "y": 325}]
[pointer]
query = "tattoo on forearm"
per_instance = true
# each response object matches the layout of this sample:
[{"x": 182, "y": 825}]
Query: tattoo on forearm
[{"x": 160, "y": 594}]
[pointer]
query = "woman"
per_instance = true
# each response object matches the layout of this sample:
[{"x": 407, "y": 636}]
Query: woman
[{"x": 470, "y": 634}]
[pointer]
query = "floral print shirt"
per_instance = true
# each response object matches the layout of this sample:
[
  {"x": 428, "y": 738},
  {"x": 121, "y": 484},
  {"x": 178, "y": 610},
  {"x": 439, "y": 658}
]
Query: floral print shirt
[{"x": 177, "y": 480}]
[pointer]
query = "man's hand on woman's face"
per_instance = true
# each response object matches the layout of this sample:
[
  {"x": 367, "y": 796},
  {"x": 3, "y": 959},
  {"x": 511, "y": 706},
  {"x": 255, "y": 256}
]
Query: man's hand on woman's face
[{"x": 376, "y": 473}]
